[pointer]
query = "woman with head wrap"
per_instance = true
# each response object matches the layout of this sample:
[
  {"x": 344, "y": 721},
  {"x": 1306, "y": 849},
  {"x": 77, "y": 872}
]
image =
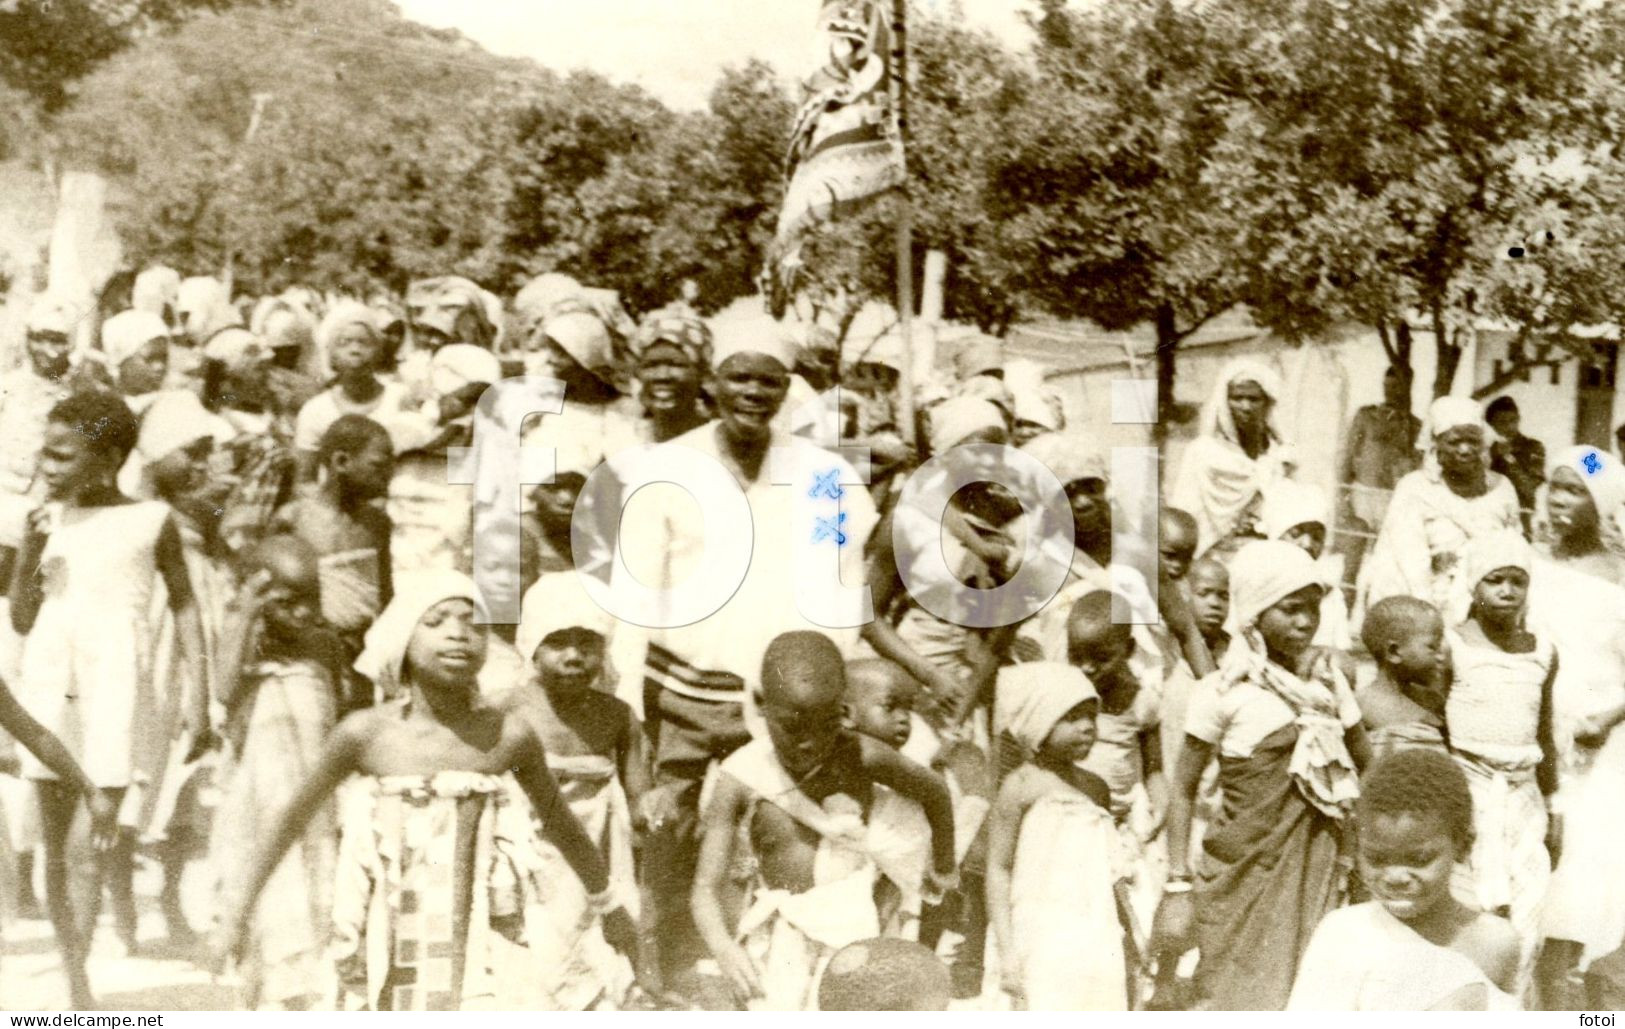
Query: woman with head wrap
[
  {"x": 1281, "y": 719},
  {"x": 1498, "y": 717},
  {"x": 256, "y": 466},
  {"x": 673, "y": 349},
  {"x": 1577, "y": 600},
  {"x": 1438, "y": 509},
  {"x": 136, "y": 350},
  {"x": 1299, "y": 513},
  {"x": 1236, "y": 455},
  {"x": 355, "y": 355},
  {"x": 437, "y": 872},
  {"x": 1053, "y": 857}
]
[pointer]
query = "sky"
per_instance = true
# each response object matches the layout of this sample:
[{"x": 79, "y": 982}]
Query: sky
[{"x": 673, "y": 48}]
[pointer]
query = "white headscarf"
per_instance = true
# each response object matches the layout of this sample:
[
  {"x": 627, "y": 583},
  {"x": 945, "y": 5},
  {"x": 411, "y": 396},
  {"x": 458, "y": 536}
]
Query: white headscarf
[
  {"x": 1448, "y": 413},
  {"x": 1600, "y": 473},
  {"x": 155, "y": 289},
  {"x": 462, "y": 364},
  {"x": 383, "y": 656},
  {"x": 126, "y": 333},
  {"x": 1031, "y": 698},
  {"x": 1265, "y": 572},
  {"x": 556, "y": 602},
  {"x": 1072, "y": 456},
  {"x": 1216, "y": 419},
  {"x": 586, "y": 339},
  {"x": 1217, "y": 480},
  {"x": 958, "y": 418},
  {"x": 729, "y": 340},
  {"x": 51, "y": 313},
  {"x": 1288, "y": 504}
]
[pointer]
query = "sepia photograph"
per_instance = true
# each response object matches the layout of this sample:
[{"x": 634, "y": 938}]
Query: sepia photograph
[{"x": 811, "y": 505}]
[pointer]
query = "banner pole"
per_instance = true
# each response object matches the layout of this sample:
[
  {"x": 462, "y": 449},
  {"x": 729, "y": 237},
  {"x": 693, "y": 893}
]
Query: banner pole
[{"x": 905, "y": 220}]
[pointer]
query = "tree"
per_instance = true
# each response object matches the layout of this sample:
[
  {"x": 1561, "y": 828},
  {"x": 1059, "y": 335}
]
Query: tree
[
  {"x": 1101, "y": 174},
  {"x": 1393, "y": 143}
]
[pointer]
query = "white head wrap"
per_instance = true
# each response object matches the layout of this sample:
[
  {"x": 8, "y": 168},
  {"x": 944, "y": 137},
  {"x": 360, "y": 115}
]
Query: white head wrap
[
  {"x": 155, "y": 289},
  {"x": 556, "y": 602},
  {"x": 1288, "y": 504},
  {"x": 236, "y": 349},
  {"x": 204, "y": 307},
  {"x": 544, "y": 297},
  {"x": 1030, "y": 699},
  {"x": 1264, "y": 573},
  {"x": 586, "y": 339},
  {"x": 977, "y": 356},
  {"x": 1603, "y": 477},
  {"x": 384, "y": 654},
  {"x": 50, "y": 313},
  {"x": 1216, "y": 420},
  {"x": 1072, "y": 456},
  {"x": 956, "y": 419},
  {"x": 747, "y": 339},
  {"x": 124, "y": 334},
  {"x": 462, "y": 364},
  {"x": 1453, "y": 412}
]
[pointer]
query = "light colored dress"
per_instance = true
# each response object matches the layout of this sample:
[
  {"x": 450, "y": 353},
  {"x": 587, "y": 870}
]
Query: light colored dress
[
  {"x": 1362, "y": 958},
  {"x": 1584, "y": 617},
  {"x": 276, "y": 739},
  {"x": 1068, "y": 941},
  {"x": 1492, "y": 715},
  {"x": 87, "y": 662},
  {"x": 396, "y": 939}
]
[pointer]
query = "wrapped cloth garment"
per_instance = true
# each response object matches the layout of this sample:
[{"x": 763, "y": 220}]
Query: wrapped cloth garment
[
  {"x": 1217, "y": 483},
  {"x": 1493, "y": 714},
  {"x": 430, "y": 899},
  {"x": 1063, "y": 910},
  {"x": 1272, "y": 866},
  {"x": 1364, "y": 959},
  {"x": 1419, "y": 547},
  {"x": 792, "y": 936},
  {"x": 1406, "y": 736},
  {"x": 276, "y": 739},
  {"x": 578, "y": 969},
  {"x": 1584, "y": 617}
]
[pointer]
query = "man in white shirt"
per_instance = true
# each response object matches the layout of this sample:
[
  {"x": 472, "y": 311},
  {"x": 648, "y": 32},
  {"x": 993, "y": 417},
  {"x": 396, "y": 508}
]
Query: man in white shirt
[{"x": 699, "y": 679}]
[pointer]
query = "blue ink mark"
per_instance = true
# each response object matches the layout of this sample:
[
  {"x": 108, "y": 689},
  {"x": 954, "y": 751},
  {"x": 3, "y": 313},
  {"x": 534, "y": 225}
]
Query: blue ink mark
[
  {"x": 828, "y": 485},
  {"x": 1593, "y": 464},
  {"x": 830, "y": 528}
]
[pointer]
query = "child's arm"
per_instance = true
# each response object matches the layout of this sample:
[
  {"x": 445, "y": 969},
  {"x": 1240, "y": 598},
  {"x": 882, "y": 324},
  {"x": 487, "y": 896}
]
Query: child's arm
[
  {"x": 921, "y": 785},
  {"x": 634, "y": 767},
  {"x": 1546, "y": 773},
  {"x": 340, "y": 757},
  {"x": 1156, "y": 780},
  {"x": 237, "y": 635},
  {"x": 884, "y": 584},
  {"x": 1176, "y": 913},
  {"x": 27, "y": 592},
  {"x": 561, "y": 828},
  {"x": 44, "y": 744},
  {"x": 171, "y": 558},
  {"x": 1003, "y": 831},
  {"x": 718, "y": 825}
]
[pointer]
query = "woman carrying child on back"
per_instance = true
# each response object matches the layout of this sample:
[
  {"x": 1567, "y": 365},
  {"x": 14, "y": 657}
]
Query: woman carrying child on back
[
  {"x": 433, "y": 891},
  {"x": 1284, "y": 725}
]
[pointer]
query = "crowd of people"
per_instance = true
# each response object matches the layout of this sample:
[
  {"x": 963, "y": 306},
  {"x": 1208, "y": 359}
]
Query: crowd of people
[{"x": 1278, "y": 757}]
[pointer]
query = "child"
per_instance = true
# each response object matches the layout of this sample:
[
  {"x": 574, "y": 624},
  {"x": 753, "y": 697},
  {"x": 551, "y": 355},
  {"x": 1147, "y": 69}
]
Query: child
[
  {"x": 544, "y": 541},
  {"x": 1298, "y": 514},
  {"x": 1414, "y": 946},
  {"x": 1404, "y": 705},
  {"x": 280, "y": 668},
  {"x": 1127, "y": 753},
  {"x": 1283, "y": 724},
  {"x": 1176, "y": 542},
  {"x": 343, "y": 524},
  {"x": 89, "y": 566},
  {"x": 595, "y": 752},
  {"x": 430, "y": 899},
  {"x": 1498, "y": 716},
  {"x": 356, "y": 352},
  {"x": 884, "y": 975},
  {"x": 830, "y": 813},
  {"x": 1208, "y": 583},
  {"x": 1052, "y": 861},
  {"x": 879, "y": 704}
]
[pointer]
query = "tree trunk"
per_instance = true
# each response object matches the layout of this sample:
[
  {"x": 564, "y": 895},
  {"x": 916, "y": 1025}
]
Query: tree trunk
[
  {"x": 1167, "y": 345},
  {"x": 1449, "y": 355}
]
